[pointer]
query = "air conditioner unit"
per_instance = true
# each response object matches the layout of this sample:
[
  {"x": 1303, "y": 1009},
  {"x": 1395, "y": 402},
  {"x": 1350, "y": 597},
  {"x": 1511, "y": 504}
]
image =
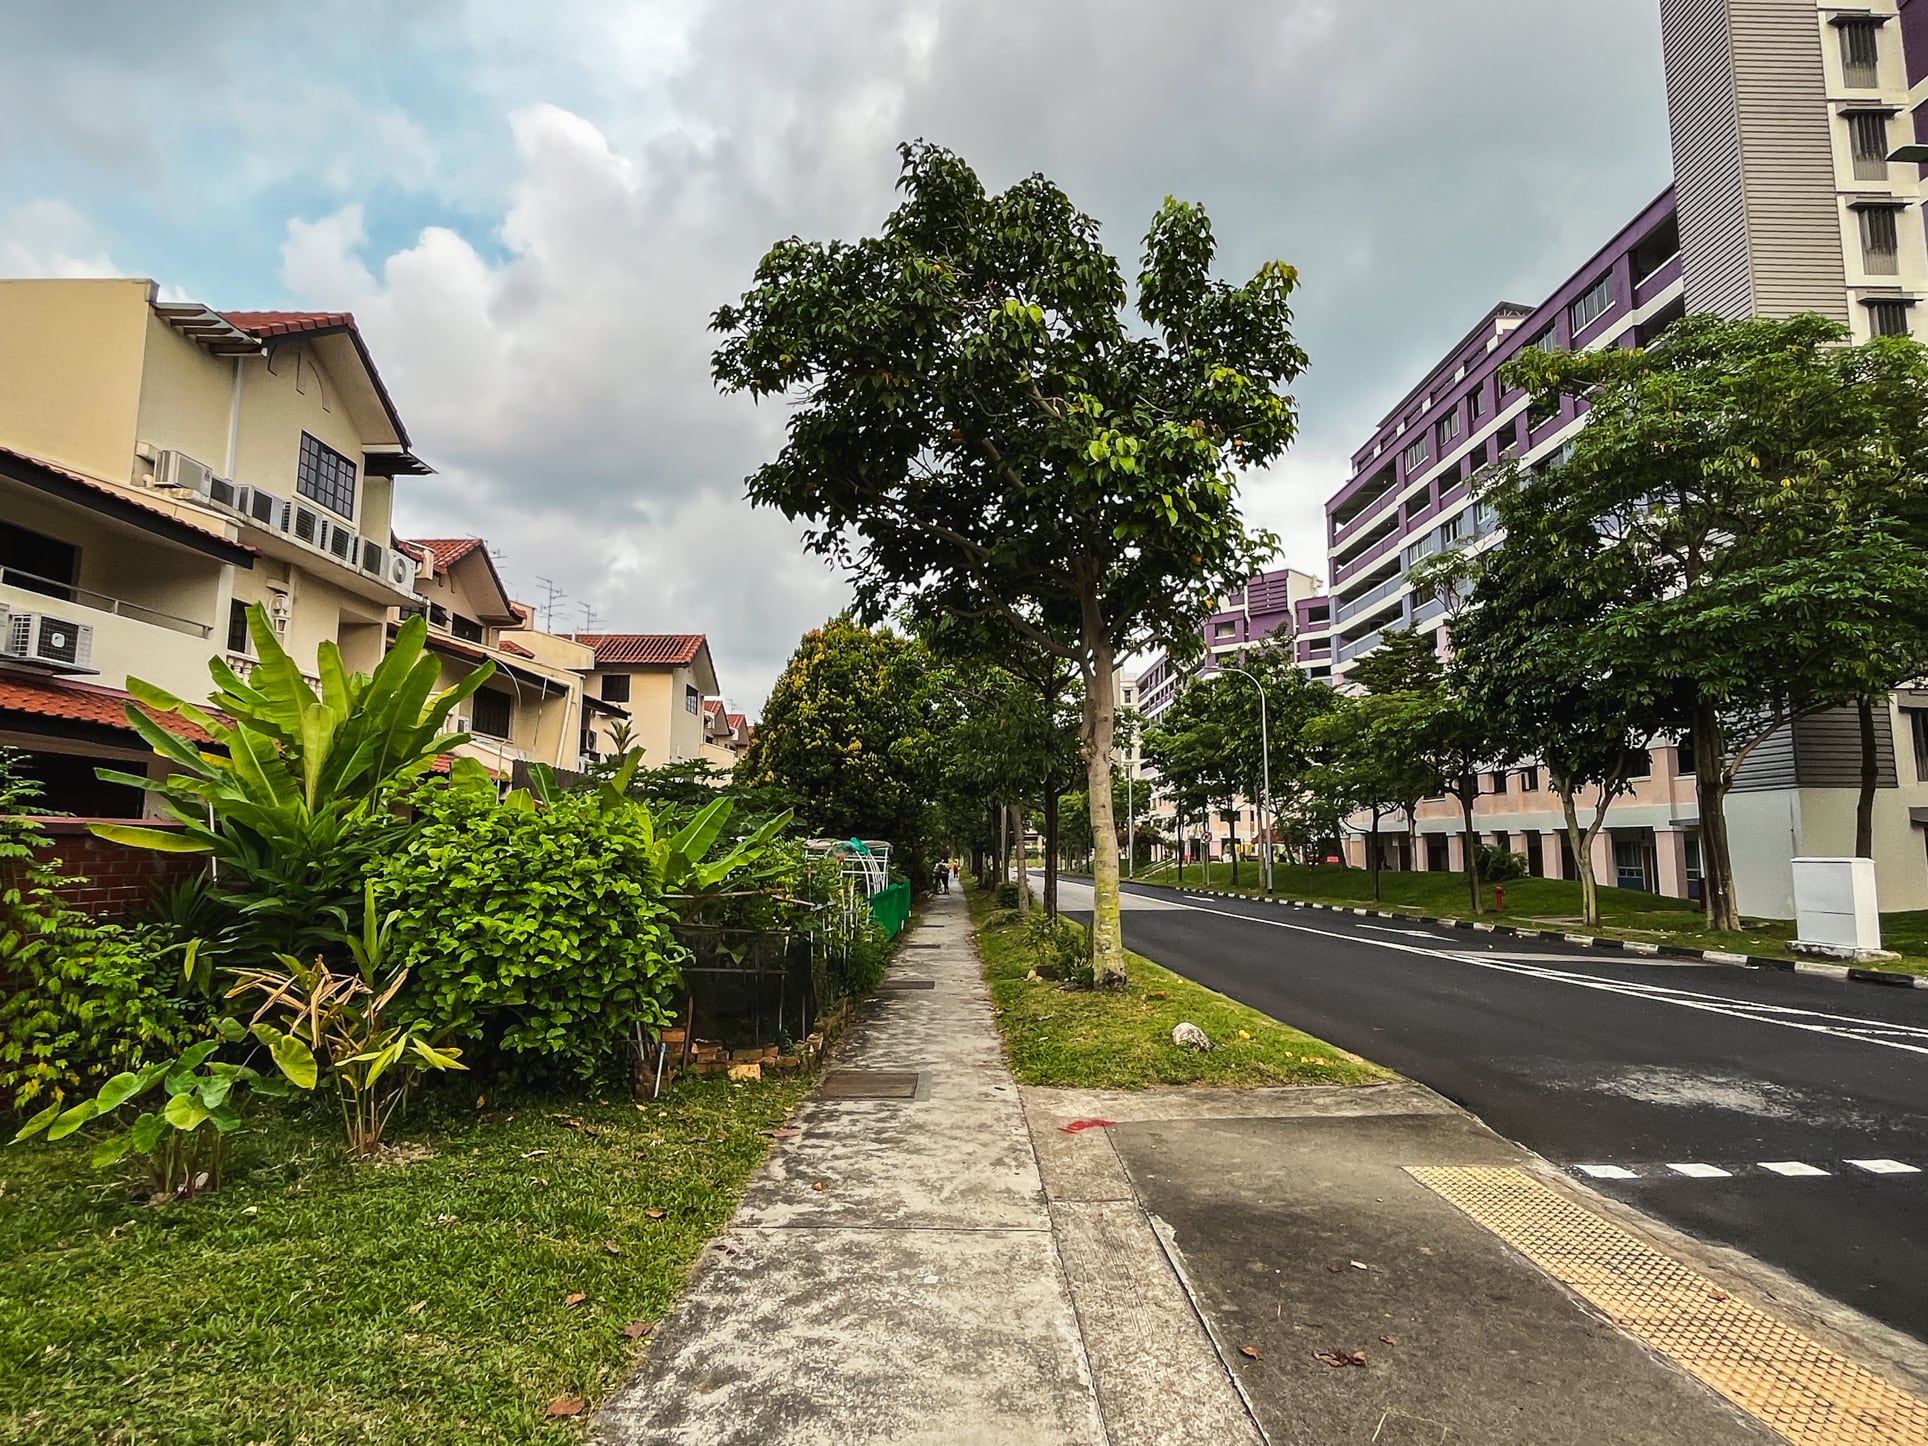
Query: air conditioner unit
[
  {"x": 44, "y": 638},
  {"x": 264, "y": 509},
  {"x": 220, "y": 490},
  {"x": 373, "y": 558},
  {"x": 177, "y": 469},
  {"x": 456, "y": 723},
  {"x": 401, "y": 571},
  {"x": 305, "y": 524},
  {"x": 341, "y": 543}
]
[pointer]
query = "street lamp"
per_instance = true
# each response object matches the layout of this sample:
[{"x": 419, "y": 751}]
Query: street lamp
[{"x": 1265, "y": 771}]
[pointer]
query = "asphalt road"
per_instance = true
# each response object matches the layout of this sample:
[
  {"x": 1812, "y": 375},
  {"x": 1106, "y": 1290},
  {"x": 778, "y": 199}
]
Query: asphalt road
[{"x": 1621, "y": 1070}]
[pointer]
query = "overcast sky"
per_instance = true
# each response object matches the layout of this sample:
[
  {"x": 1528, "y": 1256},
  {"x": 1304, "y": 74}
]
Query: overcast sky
[{"x": 533, "y": 208}]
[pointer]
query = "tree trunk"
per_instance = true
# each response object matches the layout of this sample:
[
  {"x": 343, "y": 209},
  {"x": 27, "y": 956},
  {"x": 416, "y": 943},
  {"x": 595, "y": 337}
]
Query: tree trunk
[
  {"x": 1471, "y": 842},
  {"x": 1582, "y": 845},
  {"x": 1050, "y": 853},
  {"x": 1023, "y": 863},
  {"x": 1372, "y": 854},
  {"x": 1178, "y": 816},
  {"x": 1232, "y": 844},
  {"x": 1870, "y": 771},
  {"x": 1100, "y": 721},
  {"x": 1710, "y": 784}
]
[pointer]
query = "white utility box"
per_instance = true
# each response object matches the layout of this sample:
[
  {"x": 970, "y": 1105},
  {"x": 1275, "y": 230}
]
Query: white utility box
[{"x": 1834, "y": 909}]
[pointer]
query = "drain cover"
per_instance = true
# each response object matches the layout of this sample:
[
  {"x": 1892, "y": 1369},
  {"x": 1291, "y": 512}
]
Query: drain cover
[
  {"x": 869, "y": 1084},
  {"x": 923, "y": 946},
  {"x": 908, "y": 984}
]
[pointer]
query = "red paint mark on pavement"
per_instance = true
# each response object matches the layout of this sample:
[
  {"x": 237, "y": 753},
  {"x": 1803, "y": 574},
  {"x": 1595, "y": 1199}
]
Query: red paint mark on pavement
[{"x": 1077, "y": 1125}]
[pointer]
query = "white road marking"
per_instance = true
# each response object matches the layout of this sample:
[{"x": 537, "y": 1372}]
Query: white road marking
[
  {"x": 1790, "y": 1167},
  {"x": 1908, "y": 1037},
  {"x": 1608, "y": 1172},
  {"x": 1412, "y": 933},
  {"x": 1885, "y": 1167},
  {"x": 1701, "y": 1172}
]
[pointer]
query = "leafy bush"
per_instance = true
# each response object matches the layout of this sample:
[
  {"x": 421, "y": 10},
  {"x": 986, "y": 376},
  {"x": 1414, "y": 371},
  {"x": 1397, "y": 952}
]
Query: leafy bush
[
  {"x": 1007, "y": 895},
  {"x": 1062, "y": 947},
  {"x": 1496, "y": 866},
  {"x": 538, "y": 933},
  {"x": 80, "y": 999}
]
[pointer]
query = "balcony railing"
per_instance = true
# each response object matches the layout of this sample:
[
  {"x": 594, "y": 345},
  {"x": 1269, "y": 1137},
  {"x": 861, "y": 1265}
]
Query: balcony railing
[
  {"x": 59, "y": 592},
  {"x": 1366, "y": 601}
]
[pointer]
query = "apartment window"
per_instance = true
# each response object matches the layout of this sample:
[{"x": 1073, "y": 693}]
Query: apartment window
[
  {"x": 615, "y": 687},
  {"x": 238, "y": 627},
  {"x": 467, "y": 629},
  {"x": 1868, "y": 144},
  {"x": 692, "y": 700},
  {"x": 1630, "y": 864},
  {"x": 1690, "y": 851},
  {"x": 1415, "y": 456},
  {"x": 1918, "y": 727},
  {"x": 326, "y": 477},
  {"x": 1640, "y": 763},
  {"x": 1880, "y": 245},
  {"x": 1860, "y": 52},
  {"x": 1684, "y": 757},
  {"x": 492, "y": 713},
  {"x": 34, "y": 562},
  {"x": 1592, "y": 304},
  {"x": 1529, "y": 780},
  {"x": 1448, "y": 429},
  {"x": 1887, "y": 318},
  {"x": 1224, "y": 630},
  {"x": 1499, "y": 782},
  {"x": 1476, "y": 402},
  {"x": 1656, "y": 249}
]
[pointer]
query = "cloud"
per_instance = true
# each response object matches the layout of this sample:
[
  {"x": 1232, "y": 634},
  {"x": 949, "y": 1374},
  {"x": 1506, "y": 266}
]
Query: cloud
[{"x": 533, "y": 212}]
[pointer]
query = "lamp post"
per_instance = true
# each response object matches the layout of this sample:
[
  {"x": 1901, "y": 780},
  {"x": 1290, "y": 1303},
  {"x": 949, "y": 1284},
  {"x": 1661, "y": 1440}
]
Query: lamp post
[{"x": 1265, "y": 773}]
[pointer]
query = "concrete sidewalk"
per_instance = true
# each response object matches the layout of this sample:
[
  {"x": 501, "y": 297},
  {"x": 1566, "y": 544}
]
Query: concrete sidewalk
[{"x": 964, "y": 1261}]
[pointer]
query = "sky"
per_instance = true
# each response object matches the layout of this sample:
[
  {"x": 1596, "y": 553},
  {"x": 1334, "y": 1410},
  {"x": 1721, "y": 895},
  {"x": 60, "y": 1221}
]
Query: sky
[{"x": 533, "y": 210}]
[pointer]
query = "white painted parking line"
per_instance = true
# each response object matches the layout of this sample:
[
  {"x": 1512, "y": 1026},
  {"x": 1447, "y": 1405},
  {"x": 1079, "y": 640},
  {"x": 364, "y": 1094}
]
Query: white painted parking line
[
  {"x": 1607, "y": 1172},
  {"x": 1701, "y": 1172},
  {"x": 1885, "y": 1167},
  {"x": 1790, "y": 1167}
]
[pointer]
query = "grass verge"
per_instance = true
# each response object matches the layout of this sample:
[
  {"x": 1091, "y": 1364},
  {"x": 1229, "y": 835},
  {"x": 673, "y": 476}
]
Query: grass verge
[
  {"x": 1545, "y": 903},
  {"x": 1123, "y": 1040},
  {"x": 317, "y": 1301}
]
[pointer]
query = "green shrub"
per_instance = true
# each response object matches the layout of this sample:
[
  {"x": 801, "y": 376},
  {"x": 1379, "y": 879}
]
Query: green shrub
[
  {"x": 1007, "y": 895},
  {"x": 537, "y": 933},
  {"x": 1062, "y": 947},
  {"x": 80, "y": 999},
  {"x": 1496, "y": 866}
]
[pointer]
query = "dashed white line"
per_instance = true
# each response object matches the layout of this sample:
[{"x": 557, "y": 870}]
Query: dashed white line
[
  {"x": 1701, "y": 1172},
  {"x": 1608, "y": 1172},
  {"x": 1791, "y": 1167},
  {"x": 1885, "y": 1167}
]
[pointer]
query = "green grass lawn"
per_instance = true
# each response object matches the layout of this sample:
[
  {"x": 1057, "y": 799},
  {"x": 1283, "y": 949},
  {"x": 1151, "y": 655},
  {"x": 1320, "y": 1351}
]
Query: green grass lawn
[
  {"x": 1553, "y": 903},
  {"x": 1106, "y": 1040},
  {"x": 316, "y": 1301}
]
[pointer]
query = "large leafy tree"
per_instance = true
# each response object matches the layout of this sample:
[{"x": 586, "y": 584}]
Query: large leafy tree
[
  {"x": 853, "y": 731},
  {"x": 1744, "y": 506},
  {"x": 978, "y": 429}
]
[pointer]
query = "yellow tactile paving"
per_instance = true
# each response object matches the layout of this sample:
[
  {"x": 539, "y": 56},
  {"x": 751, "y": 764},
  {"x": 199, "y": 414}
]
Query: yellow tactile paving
[{"x": 1767, "y": 1368}]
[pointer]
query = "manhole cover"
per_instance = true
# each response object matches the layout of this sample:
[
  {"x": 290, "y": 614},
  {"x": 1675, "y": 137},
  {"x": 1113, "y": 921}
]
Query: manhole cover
[
  {"x": 869, "y": 1084},
  {"x": 908, "y": 984}
]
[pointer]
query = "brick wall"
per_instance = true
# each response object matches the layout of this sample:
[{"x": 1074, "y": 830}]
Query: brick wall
[{"x": 117, "y": 878}]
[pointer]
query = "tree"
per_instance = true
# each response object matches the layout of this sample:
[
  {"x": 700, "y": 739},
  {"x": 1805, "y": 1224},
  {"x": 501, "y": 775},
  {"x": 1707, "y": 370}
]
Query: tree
[
  {"x": 1370, "y": 757},
  {"x": 853, "y": 732},
  {"x": 977, "y": 431},
  {"x": 1744, "y": 506}
]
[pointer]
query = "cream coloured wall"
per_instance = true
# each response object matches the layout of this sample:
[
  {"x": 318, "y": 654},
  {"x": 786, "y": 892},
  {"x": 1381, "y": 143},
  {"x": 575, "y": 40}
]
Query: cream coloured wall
[
  {"x": 186, "y": 396},
  {"x": 70, "y": 371}
]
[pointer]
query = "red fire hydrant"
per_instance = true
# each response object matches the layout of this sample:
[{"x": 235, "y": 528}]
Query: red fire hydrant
[{"x": 1499, "y": 897}]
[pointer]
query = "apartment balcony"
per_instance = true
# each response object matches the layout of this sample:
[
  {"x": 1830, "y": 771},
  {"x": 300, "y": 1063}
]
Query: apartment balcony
[
  {"x": 127, "y": 639},
  {"x": 1344, "y": 611}
]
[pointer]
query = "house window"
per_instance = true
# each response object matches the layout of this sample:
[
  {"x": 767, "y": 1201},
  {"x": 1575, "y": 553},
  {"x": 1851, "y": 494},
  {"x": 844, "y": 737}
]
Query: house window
[
  {"x": 1918, "y": 726},
  {"x": 1684, "y": 757},
  {"x": 1860, "y": 52},
  {"x": 1629, "y": 864},
  {"x": 1448, "y": 429},
  {"x": 467, "y": 629},
  {"x": 1592, "y": 304},
  {"x": 1880, "y": 245},
  {"x": 1415, "y": 456},
  {"x": 1690, "y": 850},
  {"x": 615, "y": 687},
  {"x": 1868, "y": 144},
  {"x": 492, "y": 713},
  {"x": 238, "y": 627},
  {"x": 692, "y": 700},
  {"x": 326, "y": 477},
  {"x": 1887, "y": 318},
  {"x": 36, "y": 563}
]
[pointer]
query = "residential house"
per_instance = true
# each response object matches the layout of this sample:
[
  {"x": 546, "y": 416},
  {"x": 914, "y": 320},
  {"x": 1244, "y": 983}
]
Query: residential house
[
  {"x": 660, "y": 682},
  {"x": 162, "y": 466},
  {"x": 725, "y": 734}
]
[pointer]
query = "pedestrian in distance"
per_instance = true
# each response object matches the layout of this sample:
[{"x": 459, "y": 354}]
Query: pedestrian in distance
[{"x": 941, "y": 876}]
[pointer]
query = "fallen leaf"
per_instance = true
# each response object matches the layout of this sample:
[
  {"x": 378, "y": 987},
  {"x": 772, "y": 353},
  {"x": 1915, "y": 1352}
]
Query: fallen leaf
[
  {"x": 1425, "y": 1250},
  {"x": 252, "y": 1210},
  {"x": 1336, "y": 1359},
  {"x": 564, "y": 1406},
  {"x": 612, "y": 1247},
  {"x": 1360, "y": 1265},
  {"x": 1250, "y": 1353},
  {"x": 1243, "y": 1035},
  {"x": 1335, "y": 1269},
  {"x": 416, "y": 1309},
  {"x": 820, "y": 1185},
  {"x": 574, "y": 1298},
  {"x": 655, "y": 1214},
  {"x": 1719, "y": 1295},
  {"x": 1388, "y": 1341},
  {"x": 481, "y": 1100},
  {"x": 635, "y": 1330}
]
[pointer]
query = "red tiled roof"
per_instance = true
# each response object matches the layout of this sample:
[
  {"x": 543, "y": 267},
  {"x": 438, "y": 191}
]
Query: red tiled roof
[
  {"x": 508, "y": 645},
  {"x": 735, "y": 721},
  {"x": 126, "y": 498},
  {"x": 447, "y": 551},
  {"x": 287, "y": 323},
  {"x": 676, "y": 649},
  {"x": 711, "y": 707},
  {"x": 82, "y": 703}
]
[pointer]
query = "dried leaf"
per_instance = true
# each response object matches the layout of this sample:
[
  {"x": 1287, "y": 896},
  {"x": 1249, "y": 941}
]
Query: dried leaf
[
  {"x": 820, "y": 1185},
  {"x": 1335, "y": 1269},
  {"x": 612, "y": 1247},
  {"x": 1388, "y": 1341},
  {"x": 1250, "y": 1353},
  {"x": 1360, "y": 1265},
  {"x": 417, "y": 1308},
  {"x": 655, "y": 1214},
  {"x": 575, "y": 1297},
  {"x": 788, "y": 1132},
  {"x": 565, "y": 1406},
  {"x": 1334, "y": 1359},
  {"x": 635, "y": 1330},
  {"x": 1718, "y": 1295}
]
